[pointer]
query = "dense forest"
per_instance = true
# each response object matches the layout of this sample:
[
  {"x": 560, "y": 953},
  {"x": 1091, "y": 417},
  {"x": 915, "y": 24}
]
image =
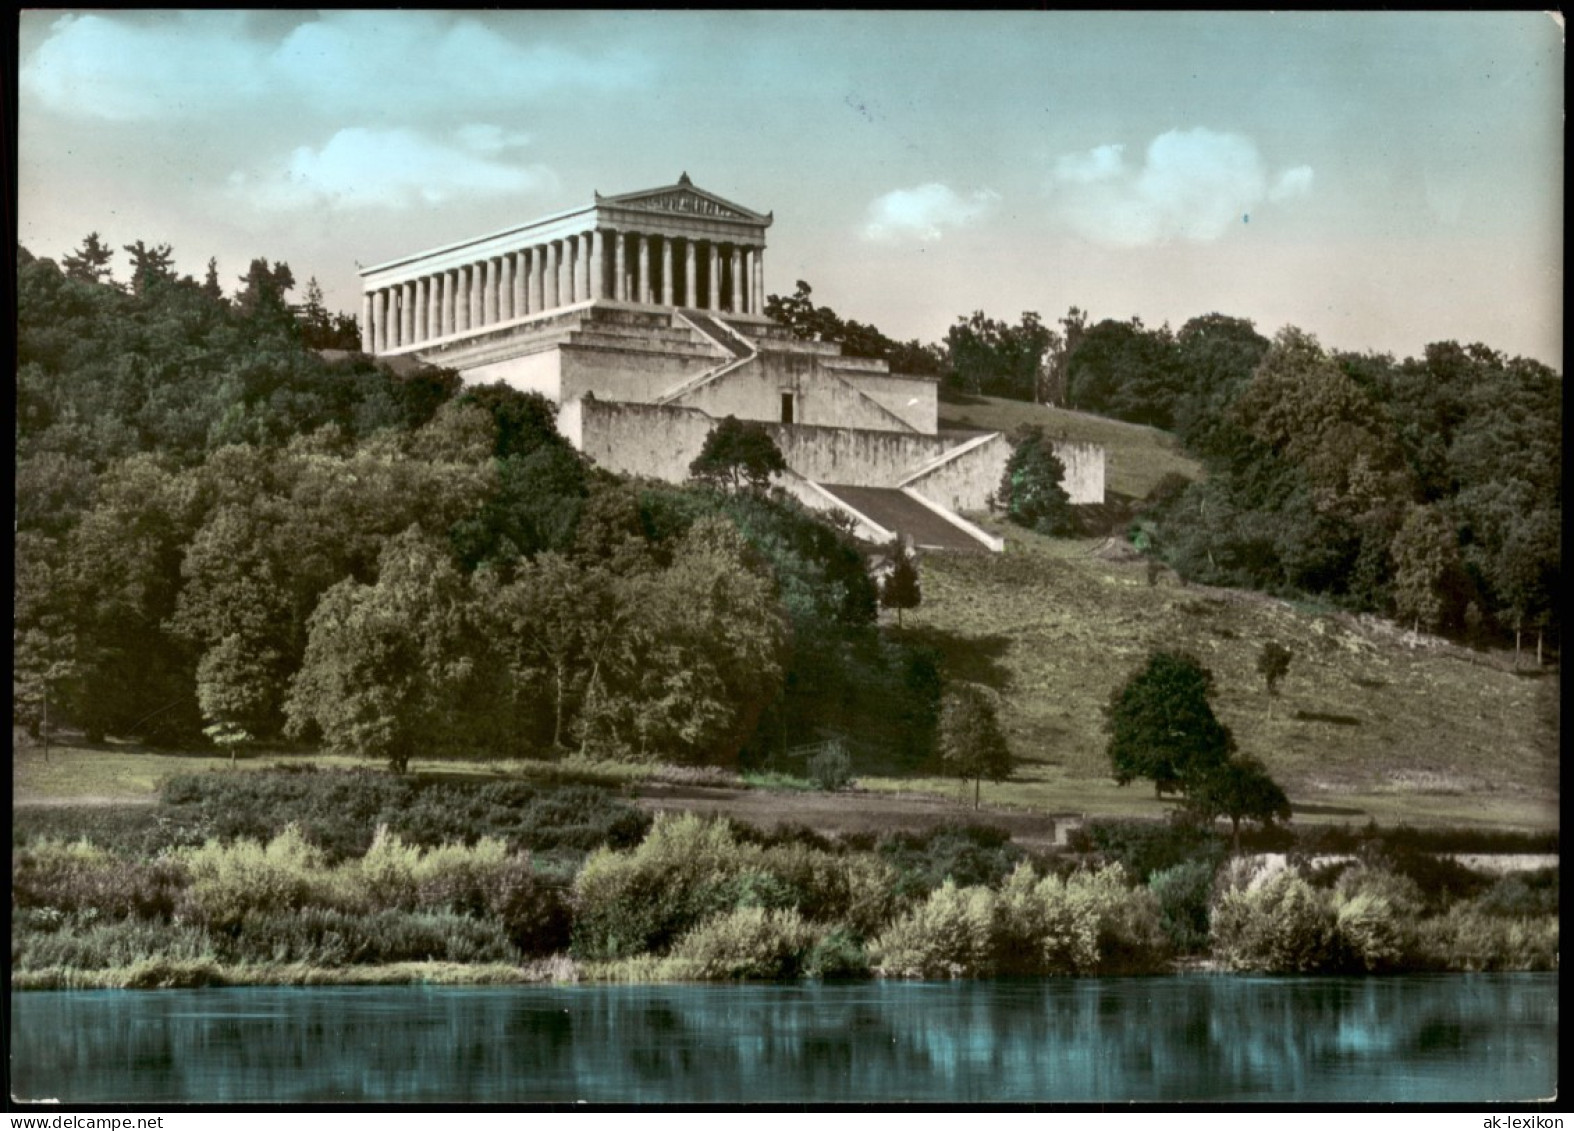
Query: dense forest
[
  {"x": 228, "y": 524},
  {"x": 1428, "y": 489}
]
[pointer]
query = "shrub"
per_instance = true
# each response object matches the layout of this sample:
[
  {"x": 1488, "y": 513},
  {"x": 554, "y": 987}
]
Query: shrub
[
  {"x": 683, "y": 873},
  {"x": 1038, "y": 930},
  {"x": 1130, "y": 939},
  {"x": 575, "y": 818},
  {"x": 387, "y": 872},
  {"x": 838, "y": 954},
  {"x": 1145, "y": 847},
  {"x": 454, "y": 877},
  {"x": 336, "y": 811},
  {"x": 873, "y": 895},
  {"x": 749, "y": 942},
  {"x": 340, "y": 811},
  {"x": 228, "y": 881},
  {"x": 134, "y": 830},
  {"x": 327, "y": 937},
  {"x": 831, "y": 768},
  {"x": 1087, "y": 923},
  {"x": 85, "y": 944},
  {"x": 165, "y": 973},
  {"x": 950, "y": 935},
  {"x": 1370, "y": 935},
  {"x": 1442, "y": 879},
  {"x": 789, "y": 833},
  {"x": 756, "y": 887},
  {"x": 1466, "y": 940},
  {"x": 970, "y": 855},
  {"x": 533, "y": 912},
  {"x": 80, "y": 877},
  {"x": 1399, "y": 892},
  {"x": 1283, "y": 926},
  {"x": 1183, "y": 893},
  {"x": 581, "y": 818},
  {"x": 815, "y": 882},
  {"x": 1525, "y": 895}
]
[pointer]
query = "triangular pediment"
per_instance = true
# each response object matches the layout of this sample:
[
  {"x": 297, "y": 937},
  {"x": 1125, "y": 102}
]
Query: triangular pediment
[{"x": 685, "y": 199}]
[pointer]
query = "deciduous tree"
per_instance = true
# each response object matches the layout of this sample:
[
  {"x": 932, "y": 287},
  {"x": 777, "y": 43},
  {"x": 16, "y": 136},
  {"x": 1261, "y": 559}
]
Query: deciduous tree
[
  {"x": 708, "y": 647},
  {"x": 1241, "y": 790},
  {"x": 1162, "y": 727},
  {"x": 992, "y": 357},
  {"x": 399, "y": 666},
  {"x": 1428, "y": 579},
  {"x": 738, "y": 453},
  {"x": 970, "y": 742}
]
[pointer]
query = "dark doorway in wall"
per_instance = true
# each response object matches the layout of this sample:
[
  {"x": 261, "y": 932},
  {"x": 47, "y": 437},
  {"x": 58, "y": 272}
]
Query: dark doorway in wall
[{"x": 787, "y": 407}]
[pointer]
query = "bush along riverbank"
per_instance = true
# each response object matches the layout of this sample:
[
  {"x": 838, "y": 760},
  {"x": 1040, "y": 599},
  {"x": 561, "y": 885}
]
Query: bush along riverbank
[{"x": 332, "y": 879}]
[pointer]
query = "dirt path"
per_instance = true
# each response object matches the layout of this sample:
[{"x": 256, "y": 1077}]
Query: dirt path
[
  {"x": 852, "y": 812},
  {"x": 86, "y": 802}
]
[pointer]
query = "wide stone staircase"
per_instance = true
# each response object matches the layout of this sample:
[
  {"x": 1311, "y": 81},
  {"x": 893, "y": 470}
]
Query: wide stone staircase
[
  {"x": 927, "y": 525},
  {"x": 649, "y": 333},
  {"x": 719, "y": 336}
]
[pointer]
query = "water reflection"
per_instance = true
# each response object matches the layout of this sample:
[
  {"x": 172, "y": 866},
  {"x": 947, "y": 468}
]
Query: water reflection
[{"x": 1414, "y": 1039}]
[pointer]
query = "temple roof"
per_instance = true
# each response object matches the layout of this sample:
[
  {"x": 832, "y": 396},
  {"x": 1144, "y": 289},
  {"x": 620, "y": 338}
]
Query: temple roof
[
  {"x": 681, "y": 209},
  {"x": 686, "y": 199}
]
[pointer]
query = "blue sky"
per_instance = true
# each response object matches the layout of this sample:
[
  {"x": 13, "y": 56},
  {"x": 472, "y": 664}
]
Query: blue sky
[{"x": 1380, "y": 180}]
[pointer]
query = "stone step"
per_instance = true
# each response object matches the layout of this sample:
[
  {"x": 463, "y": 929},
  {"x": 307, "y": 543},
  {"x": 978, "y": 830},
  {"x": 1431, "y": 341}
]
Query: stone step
[
  {"x": 894, "y": 510},
  {"x": 724, "y": 336},
  {"x": 690, "y": 349},
  {"x": 668, "y": 333}
]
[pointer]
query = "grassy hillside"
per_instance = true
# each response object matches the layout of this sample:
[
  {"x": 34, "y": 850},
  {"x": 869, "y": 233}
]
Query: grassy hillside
[
  {"x": 1136, "y": 457},
  {"x": 1366, "y": 725}
]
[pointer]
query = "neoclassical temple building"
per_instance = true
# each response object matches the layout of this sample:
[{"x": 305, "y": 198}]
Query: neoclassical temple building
[{"x": 642, "y": 317}]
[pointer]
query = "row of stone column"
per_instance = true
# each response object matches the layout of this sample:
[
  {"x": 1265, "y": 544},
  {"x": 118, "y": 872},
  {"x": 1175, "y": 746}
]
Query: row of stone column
[{"x": 671, "y": 271}]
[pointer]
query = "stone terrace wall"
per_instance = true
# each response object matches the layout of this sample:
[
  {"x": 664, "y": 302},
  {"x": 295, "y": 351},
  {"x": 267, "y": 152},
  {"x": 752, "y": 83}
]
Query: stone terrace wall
[
  {"x": 913, "y": 399},
  {"x": 1084, "y": 480},
  {"x": 754, "y": 391},
  {"x": 660, "y": 441},
  {"x": 861, "y": 457},
  {"x": 966, "y": 482}
]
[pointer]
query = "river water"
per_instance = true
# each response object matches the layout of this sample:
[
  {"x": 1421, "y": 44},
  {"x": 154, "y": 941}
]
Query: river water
[{"x": 1446, "y": 1038}]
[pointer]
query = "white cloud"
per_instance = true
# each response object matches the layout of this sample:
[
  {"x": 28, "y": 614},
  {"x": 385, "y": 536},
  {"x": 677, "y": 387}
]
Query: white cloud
[
  {"x": 393, "y": 168},
  {"x": 1292, "y": 183},
  {"x": 1192, "y": 184},
  {"x": 399, "y": 64},
  {"x": 925, "y": 211},
  {"x": 1098, "y": 164},
  {"x": 104, "y": 67},
  {"x": 486, "y": 138}
]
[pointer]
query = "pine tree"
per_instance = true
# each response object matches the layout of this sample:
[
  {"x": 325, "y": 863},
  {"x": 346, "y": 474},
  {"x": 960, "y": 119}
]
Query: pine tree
[
  {"x": 900, "y": 589},
  {"x": 1030, "y": 491},
  {"x": 90, "y": 263}
]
